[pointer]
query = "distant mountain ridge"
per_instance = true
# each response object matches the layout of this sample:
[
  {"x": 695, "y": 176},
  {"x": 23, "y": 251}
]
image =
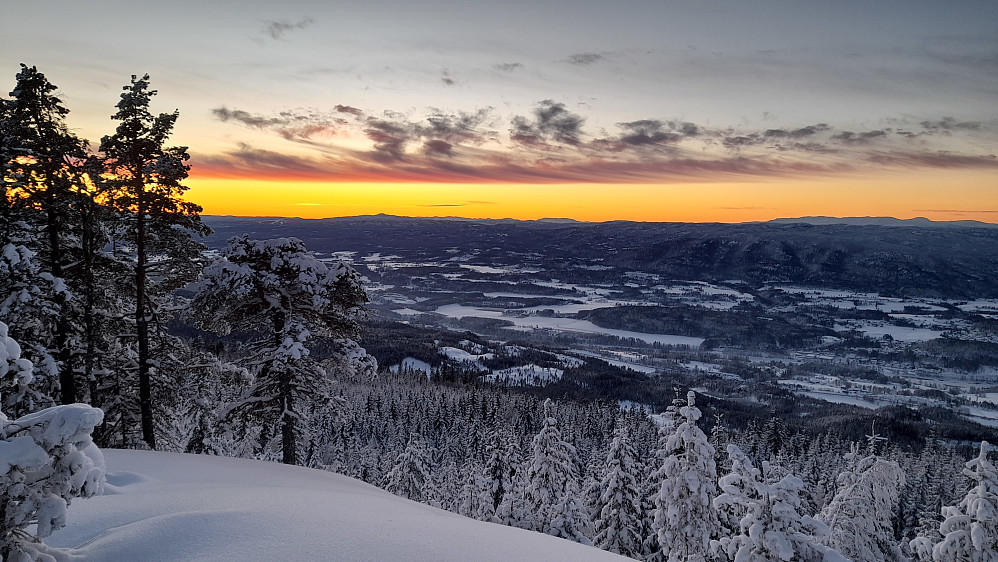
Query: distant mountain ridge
[
  {"x": 958, "y": 263},
  {"x": 920, "y": 222}
]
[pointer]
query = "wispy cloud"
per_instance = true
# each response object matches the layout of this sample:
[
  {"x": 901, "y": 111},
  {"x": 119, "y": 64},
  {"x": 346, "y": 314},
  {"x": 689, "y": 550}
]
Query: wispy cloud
[
  {"x": 507, "y": 66},
  {"x": 276, "y": 30},
  {"x": 584, "y": 59},
  {"x": 293, "y": 123},
  {"x": 551, "y": 145}
]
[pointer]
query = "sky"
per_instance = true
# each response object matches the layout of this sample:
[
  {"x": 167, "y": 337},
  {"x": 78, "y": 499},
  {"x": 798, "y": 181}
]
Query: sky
[{"x": 707, "y": 110}]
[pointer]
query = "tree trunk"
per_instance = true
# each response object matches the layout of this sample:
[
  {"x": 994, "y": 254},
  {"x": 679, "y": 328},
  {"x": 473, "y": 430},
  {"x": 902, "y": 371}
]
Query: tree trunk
[
  {"x": 142, "y": 322},
  {"x": 289, "y": 448},
  {"x": 67, "y": 382}
]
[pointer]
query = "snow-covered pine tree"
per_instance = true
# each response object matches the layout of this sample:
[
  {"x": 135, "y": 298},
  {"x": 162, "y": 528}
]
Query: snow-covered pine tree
[
  {"x": 27, "y": 302},
  {"x": 685, "y": 520},
  {"x": 281, "y": 294},
  {"x": 766, "y": 508},
  {"x": 143, "y": 182},
  {"x": 970, "y": 530},
  {"x": 552, "y": 488},
  {"x": 859, "y": 516},
  {"x": 46, "y": 459},
  {"x": 498, "y": 476},
  {"x": 43, "y": 173},
  {"x": 411, "y": 477},
  {"x": 617, "y": 525}
]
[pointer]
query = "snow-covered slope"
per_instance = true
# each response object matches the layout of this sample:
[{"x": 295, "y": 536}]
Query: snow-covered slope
[{"x": 166, "y": 506}]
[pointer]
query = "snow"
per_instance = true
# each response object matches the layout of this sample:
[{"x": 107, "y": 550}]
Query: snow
[
  {"x": 526, "y": 323},
  {"x": 407, "y": 312},
  {"x": 169, "y": 506},
  {"x": 877, "y": 330},
  {"x": 625, "y": 364},
  {"x": 412, "y": 364},
  {"x": 458, "y": 354}
]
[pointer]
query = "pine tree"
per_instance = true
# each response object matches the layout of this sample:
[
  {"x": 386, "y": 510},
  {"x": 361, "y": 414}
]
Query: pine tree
[
  {"x": 143, "y": 178},
  {"x": 28, "y": 303},
  {"x": 617, "y": 524},
  {"x": 43, "y": 173},
  {"x": 47, "y": 458},
  {"x": 970, "y": 530},
  {"x": 280, "y": 292},
  {"x": 685, "y": 520},
  {"x": 765, "y": 508}
]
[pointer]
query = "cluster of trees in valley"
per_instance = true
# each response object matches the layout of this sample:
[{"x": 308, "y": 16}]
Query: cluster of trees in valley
[{"x": 257, "y": 357}]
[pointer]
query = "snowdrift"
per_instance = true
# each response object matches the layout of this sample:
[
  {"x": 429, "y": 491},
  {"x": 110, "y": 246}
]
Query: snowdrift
[{"x": 168, "y": 506}]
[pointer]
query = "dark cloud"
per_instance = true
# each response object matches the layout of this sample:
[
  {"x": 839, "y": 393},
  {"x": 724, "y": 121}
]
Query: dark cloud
[
  {"x": 737, "y": 142},
  {"x": 849, "y": 137},
  {"x": 340, "y": 108},
  {"x": 278, "y": 29},
  {"x": 247, "y": 161},
  {"x": 939, "y": 159},
  {"x": 583, "y": 59},
  {"x": 648, "y": 131},
  {"x": 686, "y": 128},
  {"x": 950, "y": 124},
  {"x": 458, "y": 127},
  {"x": 800, "y": 133},
  {"x": 507, "y": 66},
  {"x": 225, "y": 114},
  {"x": 389, "y": 137},
  {"x": 551, "y": 122},
  {"x": 292, "y": 124},
  {"x": 437, "y": 146}
]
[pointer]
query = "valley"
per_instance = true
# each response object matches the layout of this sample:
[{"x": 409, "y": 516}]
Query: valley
[{"x": 500, "y": 302}]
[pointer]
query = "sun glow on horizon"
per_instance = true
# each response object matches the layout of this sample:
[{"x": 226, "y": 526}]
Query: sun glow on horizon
[{"x": 937, "y": 195}]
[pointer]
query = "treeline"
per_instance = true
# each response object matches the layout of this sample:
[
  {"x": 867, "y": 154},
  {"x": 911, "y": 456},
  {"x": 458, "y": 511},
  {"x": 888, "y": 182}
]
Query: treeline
[{"x": 744, "y": 326}]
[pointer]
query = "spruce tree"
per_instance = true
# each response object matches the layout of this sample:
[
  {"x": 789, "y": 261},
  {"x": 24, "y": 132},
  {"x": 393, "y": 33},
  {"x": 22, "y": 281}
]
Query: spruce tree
[
  {"x": 498, "y": 476},
  {"x": 552, "y": 487},
  {"x": 617, "y": 525},
  {"x": 411, "y": 477},
  {"x": 685, "y": 520},
  {"x": 764, "y": 506},
  {"x": 859, "y": 516},
  {"x": 969, "y": 530}
]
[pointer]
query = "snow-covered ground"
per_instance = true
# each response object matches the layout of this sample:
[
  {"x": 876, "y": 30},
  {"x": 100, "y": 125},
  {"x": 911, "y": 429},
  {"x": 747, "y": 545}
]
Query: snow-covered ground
[
  {"x": 168, "y": 506},
  {"x": 526, "y": 323},
  {"x": 412, "y": 364}
]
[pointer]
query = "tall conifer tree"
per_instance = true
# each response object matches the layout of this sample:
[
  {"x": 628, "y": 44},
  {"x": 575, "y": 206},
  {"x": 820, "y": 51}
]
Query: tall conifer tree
[{"x": 145, "y": 179}]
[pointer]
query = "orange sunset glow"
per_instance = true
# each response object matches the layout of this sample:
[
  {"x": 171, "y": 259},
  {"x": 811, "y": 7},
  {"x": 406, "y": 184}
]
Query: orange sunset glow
[{"x": 936, "y": 195}]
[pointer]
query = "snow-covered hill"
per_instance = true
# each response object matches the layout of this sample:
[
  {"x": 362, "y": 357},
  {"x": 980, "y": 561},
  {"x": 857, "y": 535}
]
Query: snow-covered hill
[{"x": 167, "y": 506}]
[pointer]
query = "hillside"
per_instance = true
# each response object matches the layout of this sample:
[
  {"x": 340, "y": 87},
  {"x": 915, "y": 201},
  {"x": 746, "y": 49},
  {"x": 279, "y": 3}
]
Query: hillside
[
  {"x": 890, "y": 260},
  {"x": 167, "y": 506}
]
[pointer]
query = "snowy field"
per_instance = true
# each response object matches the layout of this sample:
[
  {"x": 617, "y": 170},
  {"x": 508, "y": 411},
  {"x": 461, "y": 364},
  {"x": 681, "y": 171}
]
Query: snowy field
[
  {"x": 526, "y": 323},
  {"x": 168, "y": 506}
]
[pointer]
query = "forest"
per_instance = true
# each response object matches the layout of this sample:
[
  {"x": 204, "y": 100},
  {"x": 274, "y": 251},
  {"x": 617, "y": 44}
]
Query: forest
[{"x": 120, "y": 330}]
